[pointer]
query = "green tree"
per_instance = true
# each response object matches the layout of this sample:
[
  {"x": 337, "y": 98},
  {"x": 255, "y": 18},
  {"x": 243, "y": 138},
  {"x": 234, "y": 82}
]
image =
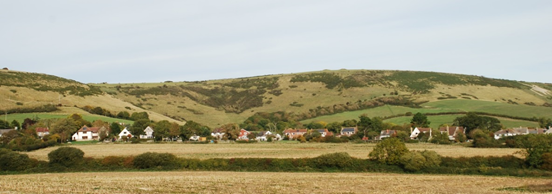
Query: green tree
[
  {"x": 115, "y": 128},
  {"x": 4, "y": 124},
  {"x": 483, "y": 139},
  {"x": 473, "y": 121},
  {"x": 534, "y": 148},
  {"x": 65, "y": 128},
  {"x": 138, "y": 127},
  {"x": 162, "y": 129},
  {"x": 79, "y": 121},
  {"x": 334, "y": 127},
  {"x": 193, "y": 128},
  {"x": 139, "y": 116},
  {"x": 15, "y": 125},
  {"x": 544, "y": 122},
  {"x": 123, "y": 115},
  {"x": 420, "y": 120},
  {"x": 66, "y": 156},
  {"x": 389, "y": 151},
  {"x": 440, "y": 138}
]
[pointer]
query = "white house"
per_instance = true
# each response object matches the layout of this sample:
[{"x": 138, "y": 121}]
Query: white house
[
  {"x": 125, "y": 133},
  {"x": 41, "y": 132},
  {"x": 417, "y": 131},
  {"x": 86, "y": 133},
  {"x": 148, "y": 133},
  {"x": 218, "y": 134}
]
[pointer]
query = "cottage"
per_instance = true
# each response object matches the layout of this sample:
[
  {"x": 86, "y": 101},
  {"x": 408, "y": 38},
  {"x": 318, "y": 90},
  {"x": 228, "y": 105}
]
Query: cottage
[
  {"x": 417, "y": 131},
  {"x": 348, "y": 131},
  {"x": 125, "y": 133},
  {"x": 243, "y": 135},
  {"x": 86, "y": 133},
  {"x": 41, "y": 132},
  {"x": 324, "y": 132},
  {"x": 148, "y": 133},
  {"x": 294, "y": 133},
  {"x": 518, "y": 131},
  {"x": 386, "y": 134},
  {"x": 218, "y": 133},
  {"x": 451, "y": 131},
  {"x": 262, "y": 136}
]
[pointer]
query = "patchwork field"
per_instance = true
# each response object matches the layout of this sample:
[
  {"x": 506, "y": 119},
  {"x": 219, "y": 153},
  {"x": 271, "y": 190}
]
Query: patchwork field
[
  {"x": 257, "y": 182},
  {"x": 284, "y": 149}
]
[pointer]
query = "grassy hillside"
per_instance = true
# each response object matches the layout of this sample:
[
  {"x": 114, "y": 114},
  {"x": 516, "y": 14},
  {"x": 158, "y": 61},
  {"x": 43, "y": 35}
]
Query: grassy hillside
[
  {"x": 332, "y": 95},
  {"x": 323, "y": 95},
  {"x": 27, "y": 91}
]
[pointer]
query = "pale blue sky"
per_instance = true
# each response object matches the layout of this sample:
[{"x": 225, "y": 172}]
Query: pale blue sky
[{"x": 153, "y": 41}]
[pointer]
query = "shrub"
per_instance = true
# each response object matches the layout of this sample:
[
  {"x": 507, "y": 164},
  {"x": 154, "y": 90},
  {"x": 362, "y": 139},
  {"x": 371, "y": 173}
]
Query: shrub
[
  {"x": 154, "y": 160},
  {"x": 412, "y": 161},
  {"x": 547, "y": 161},
  {"x": 66, "y": 156},
  {"x": 13, "y": 161},
  {"x": 389, "y": 151},
  {"x": 339, "y": 160}
]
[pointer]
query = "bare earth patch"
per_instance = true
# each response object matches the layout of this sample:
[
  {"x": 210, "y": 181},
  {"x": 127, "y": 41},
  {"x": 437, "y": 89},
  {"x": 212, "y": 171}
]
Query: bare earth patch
[{"x": 256, "y": 182}]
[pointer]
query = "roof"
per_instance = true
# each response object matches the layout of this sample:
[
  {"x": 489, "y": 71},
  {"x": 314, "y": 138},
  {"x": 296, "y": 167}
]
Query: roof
[
  {"x": 424, "y": 130},
  {"x": 42, "y": 129},
  {"x": 452, "y": 130},
  {"x": 87, "y": 129},
  {"x": 148, "y": 129},
  {"x": 388, "y": 132},
  {"x": 322, "y": 130},
  {"x": 348, "y": 129},
  {"x": 295, "y": 131}
]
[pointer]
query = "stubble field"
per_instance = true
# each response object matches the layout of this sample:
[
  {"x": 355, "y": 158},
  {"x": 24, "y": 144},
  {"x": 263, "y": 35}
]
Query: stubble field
[
  {"x": 291, "y": 149},
  {"x": 257, "y": 182}
]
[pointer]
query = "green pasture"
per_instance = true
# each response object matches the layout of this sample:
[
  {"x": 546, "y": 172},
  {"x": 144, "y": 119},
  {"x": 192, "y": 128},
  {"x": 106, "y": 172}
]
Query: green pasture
[
  {"x": 459, "y": 105},
  {"x": 89, "y": 117},
  {"x": 437, "y": 120}
]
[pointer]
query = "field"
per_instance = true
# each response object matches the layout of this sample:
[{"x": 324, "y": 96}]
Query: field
[
  {"x": 284, "y": 149},
  {"x": 447, "y": 106},
  {"x": 437, "y": 120},
  {"x": 257, "y": 182},
  {"x": 89, "y": 117}
]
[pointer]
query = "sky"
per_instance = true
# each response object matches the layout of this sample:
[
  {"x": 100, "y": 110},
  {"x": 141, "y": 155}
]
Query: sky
[{"x": 136, "y": 41}]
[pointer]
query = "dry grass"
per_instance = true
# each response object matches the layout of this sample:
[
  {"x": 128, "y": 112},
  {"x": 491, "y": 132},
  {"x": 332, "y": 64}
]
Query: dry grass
[
  {"x": 256, "y": 182},
  {"x": 262, "y": 150}
]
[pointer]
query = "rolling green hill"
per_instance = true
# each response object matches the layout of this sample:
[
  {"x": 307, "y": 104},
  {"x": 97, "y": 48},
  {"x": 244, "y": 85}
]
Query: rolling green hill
[{"x": 313, "y": 96}]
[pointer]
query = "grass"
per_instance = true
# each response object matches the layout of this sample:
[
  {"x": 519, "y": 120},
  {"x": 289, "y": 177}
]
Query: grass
[
  {"x": 256, "y": 182},
  {"x": 460, "y": 105},
  {"x": 89, "y": 117},
  {"x": 437, "y": 120},
  {"x": 284, "y": 149}
]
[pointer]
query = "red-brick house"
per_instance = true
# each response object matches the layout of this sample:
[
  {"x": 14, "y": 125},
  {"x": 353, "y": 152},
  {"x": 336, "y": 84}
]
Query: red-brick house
[
  {"x": 294, "y": 133},
  {"x": 243, "y": 134},
  {"x": 41, "y": 132}
]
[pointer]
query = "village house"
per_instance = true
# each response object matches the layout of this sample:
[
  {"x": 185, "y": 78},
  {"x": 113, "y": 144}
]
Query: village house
[
  {"x": 386, "y": 134},
  {"x": 417, "y": 131},
  {"x": 125, "y": 133},
  {"x": 324, "y": 132},
  {"x": 86, "y": 133},
  {"x": 262, "y": 136},
  {"x": 348, "y": 131},
  {"x": 148, "y": 133},
  {"x": 218, "y": 134},
  {"x": 451, "y": 131},
  {"x": 41, "y": 132},
  {"x": 294, "y": 133},
  {"x": 243, "y": 135},
  {"x": 519, "y": 131}
]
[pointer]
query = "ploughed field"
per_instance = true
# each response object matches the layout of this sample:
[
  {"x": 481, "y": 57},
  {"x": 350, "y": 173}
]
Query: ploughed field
[
  {"x": 258, "y": 182},
  {"x": 291, "y": 149}
]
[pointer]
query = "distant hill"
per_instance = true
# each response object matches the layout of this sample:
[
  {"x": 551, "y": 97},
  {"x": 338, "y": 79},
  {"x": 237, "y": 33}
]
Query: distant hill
[{"x": 308, "y": 96}]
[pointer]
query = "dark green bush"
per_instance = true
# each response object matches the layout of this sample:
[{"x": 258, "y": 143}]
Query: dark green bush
[
  {"x": 334, "y": 160},
  {"x": 66, "y": 156},
  {"x": 155, "y": 160},
  {"x": 13, "y": 161}
]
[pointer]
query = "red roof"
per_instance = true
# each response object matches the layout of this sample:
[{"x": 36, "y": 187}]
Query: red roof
[
  {"x": 41, "y": 129},
  {"x": 86, "y": 129}
]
